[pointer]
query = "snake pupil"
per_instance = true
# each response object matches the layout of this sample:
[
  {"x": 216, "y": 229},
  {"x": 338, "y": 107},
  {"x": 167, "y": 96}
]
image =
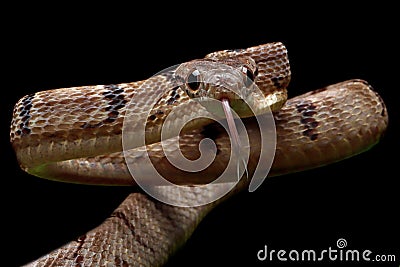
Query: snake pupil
[
  {"x": 193, "y": 80},
  {"x": 249, "y": 76}
]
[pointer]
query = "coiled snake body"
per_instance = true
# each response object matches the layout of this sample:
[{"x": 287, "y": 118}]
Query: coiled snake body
[{"x": 74, "y": 135}]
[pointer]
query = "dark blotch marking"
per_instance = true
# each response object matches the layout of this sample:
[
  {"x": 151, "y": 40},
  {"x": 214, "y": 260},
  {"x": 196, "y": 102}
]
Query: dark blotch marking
[
  {"x": 310, "y": 124},
  {"x": 116, "y": 104},
  {"x": 307, "y": 132},
  {"x": 314, "y": 124},
  {"x": 81, "y": 241},
  {"x": 173, "y": 96},
  {"x": 312, "y": 106},
  {"x": 311, "y": 134},
  {"x": 113, "y": 114},
  {"x": 120, "y": 106},
  {"x": 26, "y": 131},
  {"x": 171, "y": 101},
  {"x": 109, "y": 96},
  {"x": 119, "y": 262},
  {"x": 276, "y": 82},
  {"x": 301, "y": 107},
  {"x": 116, "y": 101},
  {"x": 309, "y": 113},
  {"x": 24, "y": 119},
  {"x": 173, "y": 91},
  {"x": 109, "y": 120},
  {"x": 307, "y": 120},
  {"x": 305, "y": 107},
  {"x": 87, "y": 125},
  {"x": 79, "y": 260},
  {"x": 25, "y": 114},
  {"x": 118, "y": 91},
  {"x": 152, "y": 117}
]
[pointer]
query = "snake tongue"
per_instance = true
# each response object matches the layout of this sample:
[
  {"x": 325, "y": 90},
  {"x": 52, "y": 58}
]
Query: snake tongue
[{"x": 236, "y": 146}]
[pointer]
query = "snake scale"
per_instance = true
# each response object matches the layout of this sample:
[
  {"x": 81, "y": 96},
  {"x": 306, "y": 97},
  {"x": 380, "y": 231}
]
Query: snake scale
[{"x": 74, "y": 135}]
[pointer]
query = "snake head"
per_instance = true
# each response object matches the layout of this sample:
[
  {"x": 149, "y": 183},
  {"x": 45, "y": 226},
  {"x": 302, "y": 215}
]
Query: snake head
[{"x": 230, "y": 79}]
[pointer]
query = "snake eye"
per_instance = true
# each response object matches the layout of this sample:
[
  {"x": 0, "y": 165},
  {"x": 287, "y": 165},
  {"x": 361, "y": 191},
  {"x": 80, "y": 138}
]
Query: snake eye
[
  {"x": 249, "y": 76},
  {"x": 193, "y": 80}
]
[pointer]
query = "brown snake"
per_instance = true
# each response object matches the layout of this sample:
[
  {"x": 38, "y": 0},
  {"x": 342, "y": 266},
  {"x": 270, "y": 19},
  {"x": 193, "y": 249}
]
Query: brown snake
[{"x": 74, "y": 135}]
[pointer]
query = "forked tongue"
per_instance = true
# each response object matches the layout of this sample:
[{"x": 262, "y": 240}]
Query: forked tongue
[{"x": 235, "y": 140}]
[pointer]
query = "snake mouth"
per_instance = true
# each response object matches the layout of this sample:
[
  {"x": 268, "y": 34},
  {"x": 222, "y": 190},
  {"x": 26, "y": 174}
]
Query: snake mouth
[
  {"x": 239, "y": 105},
  {"x": 237, "y": 99},
  {"x": 225, "y": 91},
  {"x": 226, "y": 96}
]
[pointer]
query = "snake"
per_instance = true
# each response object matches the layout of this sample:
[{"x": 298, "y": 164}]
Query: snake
[{"x": 75, "y": 135}]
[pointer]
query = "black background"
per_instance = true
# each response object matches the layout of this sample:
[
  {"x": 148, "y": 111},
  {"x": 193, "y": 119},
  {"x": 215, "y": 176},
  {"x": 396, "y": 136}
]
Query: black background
[{"x": 356, "y": 199}]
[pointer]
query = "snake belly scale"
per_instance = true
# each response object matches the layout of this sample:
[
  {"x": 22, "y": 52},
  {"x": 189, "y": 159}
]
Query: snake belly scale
[{"x": 74, "y": 135}]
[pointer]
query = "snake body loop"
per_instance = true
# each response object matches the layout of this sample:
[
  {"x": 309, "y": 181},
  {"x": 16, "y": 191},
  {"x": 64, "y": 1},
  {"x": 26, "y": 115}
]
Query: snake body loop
[{"x": 74, "y": 135}]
